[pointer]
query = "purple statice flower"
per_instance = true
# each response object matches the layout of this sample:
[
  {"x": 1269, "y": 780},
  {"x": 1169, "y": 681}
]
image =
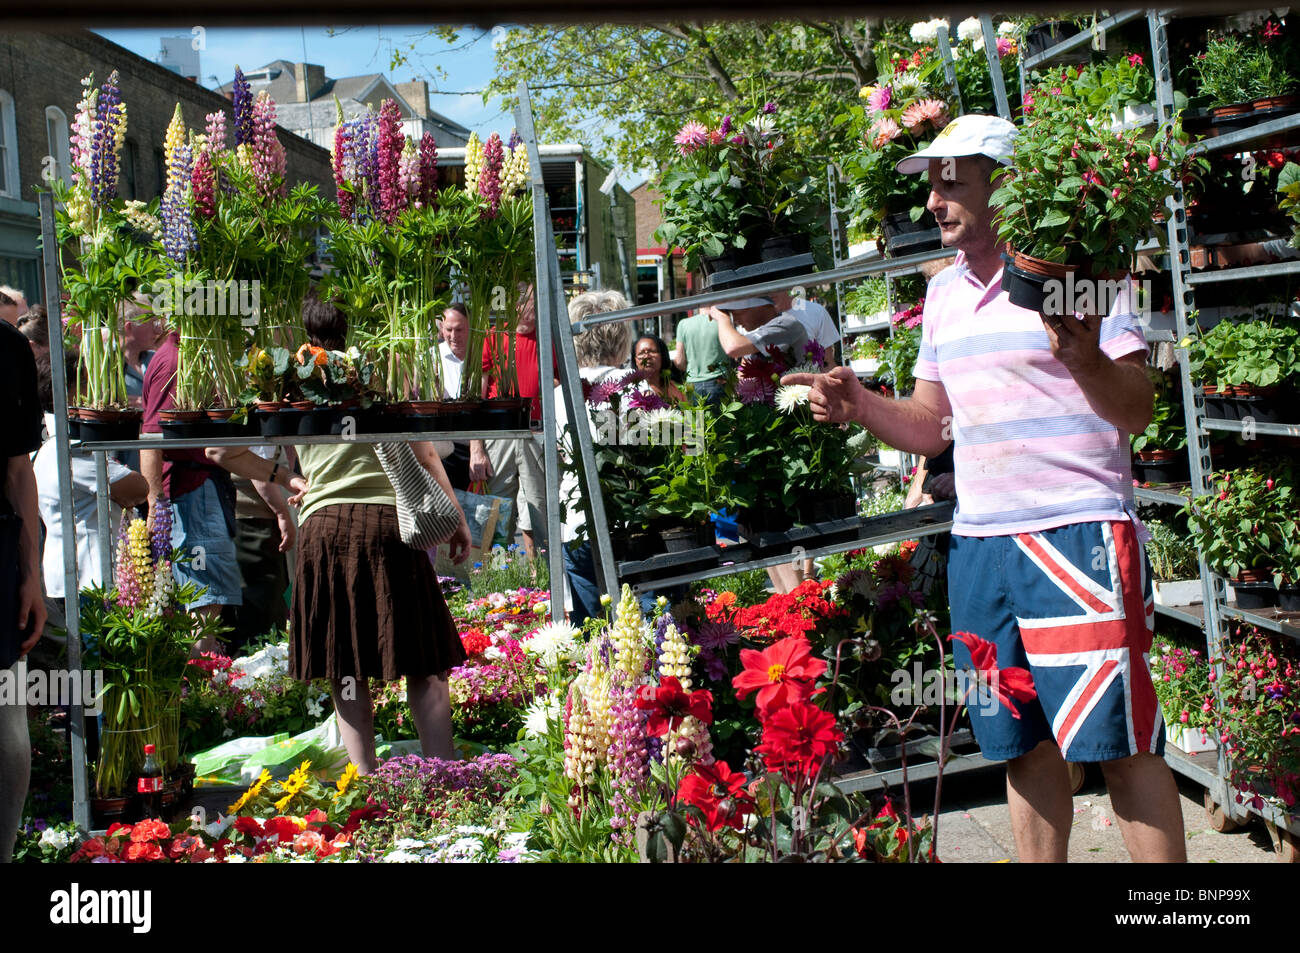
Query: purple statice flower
[
  {"x": 769, "y": 107},
  {"x": 388, "y": 154},
  {"x": 110, "y": 120},
  {"x": 489, "y": 179},
  {"x": 815, "y": 353},
  {"x": 160, "y": 541},
  {"x": 646, "y": 400},
  {"x": 428, "y": 171},
  {"x": 243, "y": 109}
]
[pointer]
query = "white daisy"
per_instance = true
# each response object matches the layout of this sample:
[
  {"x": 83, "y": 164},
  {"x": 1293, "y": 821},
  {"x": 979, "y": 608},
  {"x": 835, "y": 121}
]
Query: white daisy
[
  {"x": 906, "y": 87},
  {"x": 791, "y": 396},
  {"x": 552, "y": 643},
  {"x": 540, "y": 715}
]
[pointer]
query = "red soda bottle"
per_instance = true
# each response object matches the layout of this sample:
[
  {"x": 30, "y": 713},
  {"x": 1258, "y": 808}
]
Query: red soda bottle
[{"x": 150, "y": 785}]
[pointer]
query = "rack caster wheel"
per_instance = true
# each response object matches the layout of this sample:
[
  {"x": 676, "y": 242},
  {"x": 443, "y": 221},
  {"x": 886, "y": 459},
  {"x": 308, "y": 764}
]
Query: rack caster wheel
[
  {"x": 1286, "y": 844},
  {"x": 1219, "y": 819},
  {"x": 1077, "y": 776}
]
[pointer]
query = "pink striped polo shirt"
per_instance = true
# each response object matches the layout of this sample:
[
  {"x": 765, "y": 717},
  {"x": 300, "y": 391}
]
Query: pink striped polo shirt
[{"x": 1029, "y": 453}]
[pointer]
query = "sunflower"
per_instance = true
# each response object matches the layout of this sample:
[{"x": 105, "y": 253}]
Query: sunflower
[
  {"x": 349, "y": 775},
  {"x": 253, "y": 791}
]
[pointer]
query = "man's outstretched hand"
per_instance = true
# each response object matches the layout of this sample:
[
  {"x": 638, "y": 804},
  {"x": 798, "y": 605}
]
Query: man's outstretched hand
[{"x": 836, "y": 396}]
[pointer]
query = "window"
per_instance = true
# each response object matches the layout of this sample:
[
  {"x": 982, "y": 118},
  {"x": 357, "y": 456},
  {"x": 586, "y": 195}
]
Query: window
[
  {"x": 56, "y": 134},
  {"x": 8, "y": 147},
  {"x": 127, "y": 187}
]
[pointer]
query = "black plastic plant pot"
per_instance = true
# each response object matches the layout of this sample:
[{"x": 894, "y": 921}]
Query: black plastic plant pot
[
  {"x": 1255, "y": 595},
  {"x": 1288, "y": 598},
  {"x": 825, "y": 509},
  {"x": 635, "y": 546},
  {"x": 1161, "y": 471},
  {"x": 1220, "y": 408},
  {"x": 74, "y": 428},
  {"x": 682, "y": 539},
  {"x": 1263, "y": 409},
  {"x": 752, "y": 523},
  {"x": 316, "y": 422},
  {"x": 1044, "y": 36},
  {"x": 783, "y": 246},
  {"x": 904, "y": 236},
  {"x": 1024, "y": 289},
  {"x": 727, "y": 261},
  {"x": 92, "y": 430},
  {"x": 277, "y": 423},
  {"x": 184, "y": 429}
]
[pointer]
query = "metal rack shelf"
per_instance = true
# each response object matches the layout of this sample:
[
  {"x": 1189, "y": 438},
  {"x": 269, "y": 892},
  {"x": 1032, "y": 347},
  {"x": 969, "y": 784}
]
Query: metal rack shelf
[
  {"x": 1242, "y": 426},
  {"x": 1156, "y": 495},
  {"x": 159, "y": 442},
  {"x": 1194, "y": 614},
  {"x": 920, "y": 521},
  {"x": 1250, "y": 134},
  {"x": 1203, "y": 767},
  {"x": 1082, "y": 38},
  {"x": 1275, "y": 620},
  {"x": 1244, "y": 273}
]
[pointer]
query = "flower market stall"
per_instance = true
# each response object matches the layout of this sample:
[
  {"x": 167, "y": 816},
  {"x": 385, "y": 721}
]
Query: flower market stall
[{"x": 697, "y": 717}]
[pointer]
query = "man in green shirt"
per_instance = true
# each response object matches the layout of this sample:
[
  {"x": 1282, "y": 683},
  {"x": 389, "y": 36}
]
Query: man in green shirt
[{"x": 700, "y": 355}]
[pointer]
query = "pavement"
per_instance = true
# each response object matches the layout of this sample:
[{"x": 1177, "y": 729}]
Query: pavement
[{"x": 975, "y": 825}]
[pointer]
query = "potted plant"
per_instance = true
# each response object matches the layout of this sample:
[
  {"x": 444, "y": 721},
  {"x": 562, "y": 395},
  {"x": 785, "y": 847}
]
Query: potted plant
[
  {"x": 898, "y": 352},
  {"x": 971, "y": 68},
  {"x": 1162, "y": 448},
  {"x": 1175, "y": 570},
  {"x": 139, "y": 635},
  {"x": 735, "y": 195},
  {"x": 866, "y": 302},
  {"x": 1182, "y": 681},
  {"x": 1237, "y": 72},
  {"x": 271, "y": 385},
  {"x": 1078, "y": 198},
  {"x": 1258, "y": 687},
  {"x": 690, "y": 484},
  {"x": 107, "y": 244},
  {"x": 865, "y": 355},
  {"x": 337, "y": 384},
  {"x": 1243, "y": 364},
  {"x": 896, "y": 117},
  {"x": 1238, "y": 530}
]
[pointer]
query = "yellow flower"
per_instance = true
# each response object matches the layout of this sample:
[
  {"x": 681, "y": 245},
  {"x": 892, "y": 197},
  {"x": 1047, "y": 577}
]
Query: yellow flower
[
  {"x": 253, "y": 791},
  {"x": 349, "y": 775}
]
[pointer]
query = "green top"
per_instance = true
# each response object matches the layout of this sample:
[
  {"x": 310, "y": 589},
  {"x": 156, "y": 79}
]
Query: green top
[
  {"x": 705, "y": 358},
  {"x": 343, "y": 473}
]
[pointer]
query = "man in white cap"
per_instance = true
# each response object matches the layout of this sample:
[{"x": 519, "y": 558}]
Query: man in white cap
[{"x": 1046, "y": 562}]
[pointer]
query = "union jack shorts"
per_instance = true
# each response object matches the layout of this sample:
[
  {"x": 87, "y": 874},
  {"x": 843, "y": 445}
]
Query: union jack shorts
[{"x": 1072, "y": 605}]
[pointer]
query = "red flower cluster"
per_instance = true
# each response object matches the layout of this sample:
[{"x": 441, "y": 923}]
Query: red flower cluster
[
  {"x": 794, "y": 613},
  {"x": 476, "y": 641}
]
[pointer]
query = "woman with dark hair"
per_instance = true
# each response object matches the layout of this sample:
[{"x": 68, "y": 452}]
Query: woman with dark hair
[
  {"x": 652, "y": 364},
  {"x": 365, "y": 605}
]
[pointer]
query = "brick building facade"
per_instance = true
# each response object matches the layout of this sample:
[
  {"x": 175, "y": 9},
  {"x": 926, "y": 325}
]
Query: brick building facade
[{"x": 40, "y": 86}]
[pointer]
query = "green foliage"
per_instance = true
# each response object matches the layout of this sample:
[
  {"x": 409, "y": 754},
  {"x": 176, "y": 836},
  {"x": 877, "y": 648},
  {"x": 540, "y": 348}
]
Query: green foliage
[
  {"x": 1236, "y": 68},
  {"x": 1078, "y": 193},
  {"x": 1250, "y": 350},
  {"x": 1172, "y": 553},
  {"x": 898, "y": 354},
  {"x": 1247, "y": 523},
  {"x": 867, "y": 298},
  {"x": 1168, "y": 427}
]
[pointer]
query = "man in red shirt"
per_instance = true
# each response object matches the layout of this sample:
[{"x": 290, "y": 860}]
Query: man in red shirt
[{"x": 513, "y": 468}]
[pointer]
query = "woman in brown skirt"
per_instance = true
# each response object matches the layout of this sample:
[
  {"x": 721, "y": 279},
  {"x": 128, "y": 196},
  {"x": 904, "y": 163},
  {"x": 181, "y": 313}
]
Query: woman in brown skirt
[{"x": 365, "y": 605}]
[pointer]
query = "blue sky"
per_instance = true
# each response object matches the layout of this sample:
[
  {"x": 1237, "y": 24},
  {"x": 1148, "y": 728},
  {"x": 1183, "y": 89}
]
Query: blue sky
[{"x": 460, "y": 72}]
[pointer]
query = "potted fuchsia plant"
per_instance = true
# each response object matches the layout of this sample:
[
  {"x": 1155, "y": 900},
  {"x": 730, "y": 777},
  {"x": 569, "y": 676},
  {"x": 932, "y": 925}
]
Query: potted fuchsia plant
[{"x": 1079, "y": 197}]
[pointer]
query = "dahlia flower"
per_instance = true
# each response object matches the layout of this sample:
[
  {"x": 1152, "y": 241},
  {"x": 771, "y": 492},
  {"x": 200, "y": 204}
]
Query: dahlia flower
[
  {"x": 969, "y": 28},
  {"x": 693, "y": 135},
  {"x": 791, "y": 397},
  {"x": 931, "y": 111},
  {"x": 884, "y": 130},
  {"x": 879, "y": 98}
]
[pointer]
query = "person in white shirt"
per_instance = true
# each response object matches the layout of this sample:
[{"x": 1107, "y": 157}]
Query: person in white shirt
[
  {"x": 454, "y": 330},
  {"x": 126, "y": 488}
]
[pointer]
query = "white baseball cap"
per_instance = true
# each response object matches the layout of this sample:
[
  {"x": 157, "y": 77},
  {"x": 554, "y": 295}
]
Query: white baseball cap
[{"x": 969, "y": 135}]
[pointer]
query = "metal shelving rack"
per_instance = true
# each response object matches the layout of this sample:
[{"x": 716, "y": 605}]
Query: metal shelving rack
[
  {"x": 1215, "y": 611},
  {"x": 1207, "y": 769},
  {"x": 546, "y": 304}
]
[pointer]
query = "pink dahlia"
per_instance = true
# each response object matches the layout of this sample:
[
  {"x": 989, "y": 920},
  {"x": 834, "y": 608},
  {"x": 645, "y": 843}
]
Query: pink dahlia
[
  {"x": 884, "y": 130},
  {"x": 692, "y": 136},
  {"x": 879, "y": 99},
  {"x": 924, "y": 111}
]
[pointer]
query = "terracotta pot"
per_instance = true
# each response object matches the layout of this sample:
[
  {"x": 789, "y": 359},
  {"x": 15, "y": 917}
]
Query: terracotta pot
[
  {"x": 182, "y": 416},
  {"x": 220, "y": 413},
  {"x": 108, "y": 415},
  {"x": 1235, "y": 109},
  {"x": 271, "y": 406},
  {"x": 421, "y": 407},
  {"x": 1254, "y": 575},
  {"x": 303, "y": 404},
  {"x": 1276, "y": 102},
  {"x": 1156, "y": 455}
]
